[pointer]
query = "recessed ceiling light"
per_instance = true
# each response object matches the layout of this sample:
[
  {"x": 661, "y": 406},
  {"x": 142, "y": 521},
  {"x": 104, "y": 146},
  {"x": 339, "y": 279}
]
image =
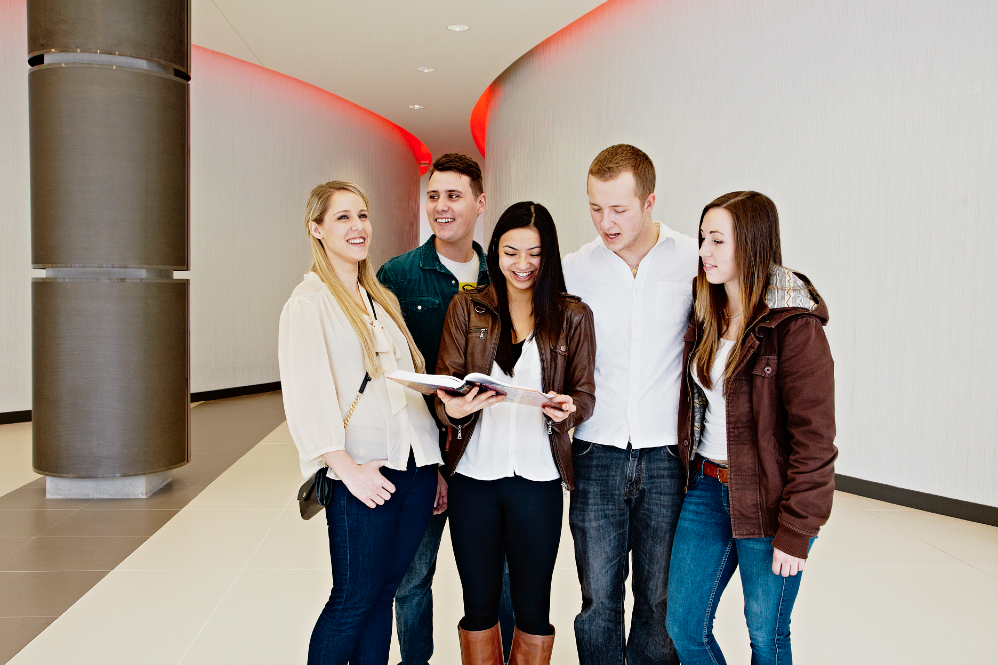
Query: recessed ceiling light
[
  {"x": 415, "y": 106},
  {"x": 425, "y": 70},
  {"x": 458, "y": 27}
]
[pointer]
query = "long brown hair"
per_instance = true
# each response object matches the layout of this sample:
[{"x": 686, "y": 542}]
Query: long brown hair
[
  {"x": 315, "y": 210},
  {"x": 757, "y": 246},
  {"x": 548, "y": 288}
]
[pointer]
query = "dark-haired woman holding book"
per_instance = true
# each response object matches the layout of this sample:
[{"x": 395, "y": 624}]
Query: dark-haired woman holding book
[{"x": 509, "y": 462}]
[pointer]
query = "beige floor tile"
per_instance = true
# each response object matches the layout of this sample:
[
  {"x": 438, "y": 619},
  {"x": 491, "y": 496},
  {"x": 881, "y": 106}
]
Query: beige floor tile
[
  {"x": 845, "y": 501},
  {"x": 204, "y": 540},
  {"x": 993, "y": 572},
  {"x": 867, "y": 504},
  {"x": 280, "y": 435},
  {"x": 860, "y": 538},
  {"x": 963, "y": 600},
  {"x": 267, "y": 477},
  {"x": 448, "y": 608},
  {"x": 972, "y": 543},
  {"x": 856, "y": 620},
  {"x": 806, "y": 651},
  {"x": 265, "y": 618},
  {"x": 148, "y": 617},
  {"x": 294, "y": 544}
]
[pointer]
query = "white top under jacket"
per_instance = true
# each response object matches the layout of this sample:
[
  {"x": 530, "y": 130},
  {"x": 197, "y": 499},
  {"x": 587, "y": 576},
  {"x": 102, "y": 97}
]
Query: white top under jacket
[
  {"x": 640, "y": 324},
  {"x": 714, "y": 438},
  {"x": 512, "y": 439},
  {"x": 322, "y": 366}
]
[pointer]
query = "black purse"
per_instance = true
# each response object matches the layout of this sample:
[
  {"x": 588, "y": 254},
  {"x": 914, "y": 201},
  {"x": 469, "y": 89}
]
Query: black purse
[{"x": 316, "y": 492}]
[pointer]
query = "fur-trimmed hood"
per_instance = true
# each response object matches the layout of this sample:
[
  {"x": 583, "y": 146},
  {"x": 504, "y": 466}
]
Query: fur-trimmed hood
[{"x": 787, "y": 291}]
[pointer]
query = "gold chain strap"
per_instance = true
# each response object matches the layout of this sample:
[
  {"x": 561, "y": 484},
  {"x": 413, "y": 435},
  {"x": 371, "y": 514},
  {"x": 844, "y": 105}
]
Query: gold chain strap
[{"x": 346, "y": 418}]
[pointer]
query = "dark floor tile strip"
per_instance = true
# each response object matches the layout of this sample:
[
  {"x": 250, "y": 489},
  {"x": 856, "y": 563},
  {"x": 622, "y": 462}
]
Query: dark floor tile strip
[{"x": 53, "y": 551}]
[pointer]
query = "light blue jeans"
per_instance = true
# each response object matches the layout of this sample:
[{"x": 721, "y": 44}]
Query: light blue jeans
[{"x": 704, "y": 557}]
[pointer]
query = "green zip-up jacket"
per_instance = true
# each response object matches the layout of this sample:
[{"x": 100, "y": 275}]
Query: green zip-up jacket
[{"x": 424, "y": 288}]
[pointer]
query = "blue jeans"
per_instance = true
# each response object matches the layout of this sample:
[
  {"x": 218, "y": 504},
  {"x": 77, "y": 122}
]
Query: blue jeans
[
  {"x": 704, "y": 557},
  {"x": 624, "y": 502},
  {"x": 370, "y": 550},
  {"x": 414, "y": 601}
]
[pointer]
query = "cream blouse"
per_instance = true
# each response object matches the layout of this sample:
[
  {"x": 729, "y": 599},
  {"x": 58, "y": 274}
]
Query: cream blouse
[{"x": 322, "y": 366}]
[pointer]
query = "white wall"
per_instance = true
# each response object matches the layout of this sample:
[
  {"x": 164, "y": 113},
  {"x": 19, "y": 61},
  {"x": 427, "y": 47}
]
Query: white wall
[
  {"x": 260, "y": 142},
  {"x": 15, "y": 206},
  {"x": 874, "y": 127}
]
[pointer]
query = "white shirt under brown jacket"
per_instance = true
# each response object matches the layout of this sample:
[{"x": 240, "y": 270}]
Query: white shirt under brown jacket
[{"x": 322, "y": 367}]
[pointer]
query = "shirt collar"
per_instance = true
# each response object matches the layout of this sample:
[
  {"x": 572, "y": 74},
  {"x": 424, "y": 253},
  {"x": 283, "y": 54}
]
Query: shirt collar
[{"x": 430, "y": 260}]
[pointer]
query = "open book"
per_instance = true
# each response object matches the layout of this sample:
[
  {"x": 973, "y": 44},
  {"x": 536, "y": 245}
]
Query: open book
[{"x": 428, "y": 384}]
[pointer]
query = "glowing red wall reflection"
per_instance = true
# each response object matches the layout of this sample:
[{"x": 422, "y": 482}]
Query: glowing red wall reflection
[{"x": 419, "y": 150}]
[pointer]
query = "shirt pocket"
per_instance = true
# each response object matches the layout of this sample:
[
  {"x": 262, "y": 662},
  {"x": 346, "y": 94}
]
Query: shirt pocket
[
  {"x": 418, "y": 306},
  {"x": 765, "y": 366},
  {"x": 673, "y": 302}
]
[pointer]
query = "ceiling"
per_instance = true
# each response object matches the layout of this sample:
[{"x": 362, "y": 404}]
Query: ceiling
[{"x": 367, "y": 51}]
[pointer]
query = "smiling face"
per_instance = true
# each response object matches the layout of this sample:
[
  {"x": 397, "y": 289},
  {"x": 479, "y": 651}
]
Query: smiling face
[
  {"x": 520, "y": 257},
  {"x": 345, "y": 230},
  {"x": 717, "y": 247},
  {"x": 621, "y": 217},
  {"x": 452, "y": 209}
]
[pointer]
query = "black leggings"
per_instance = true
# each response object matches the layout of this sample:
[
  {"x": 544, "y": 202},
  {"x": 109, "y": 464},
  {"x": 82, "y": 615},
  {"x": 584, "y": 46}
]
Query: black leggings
[{"x": 513, "y": 515}]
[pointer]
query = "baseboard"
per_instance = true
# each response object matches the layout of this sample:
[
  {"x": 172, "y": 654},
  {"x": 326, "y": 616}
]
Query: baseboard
[
  {"x": 223, "y": 393},
  {"x": 9, "y": 417},
  {"x": 941, "y": 505}
]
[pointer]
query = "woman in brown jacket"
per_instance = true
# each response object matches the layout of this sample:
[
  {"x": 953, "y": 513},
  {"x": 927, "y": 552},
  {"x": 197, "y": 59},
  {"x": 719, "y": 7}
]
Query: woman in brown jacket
[
  {"x": 757, "y": 421},
  {"x": 509, "y": 462}
]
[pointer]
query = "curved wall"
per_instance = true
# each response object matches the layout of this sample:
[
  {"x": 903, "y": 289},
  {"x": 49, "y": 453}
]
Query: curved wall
[
  {"x": 873, "y": 127},
  {"x": 259, "y": 142}
]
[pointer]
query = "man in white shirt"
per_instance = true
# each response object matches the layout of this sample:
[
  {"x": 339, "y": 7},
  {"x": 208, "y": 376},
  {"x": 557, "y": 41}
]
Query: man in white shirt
[
  {"x": 424, "y": 280},
  {"x": 636, "y": 276}
]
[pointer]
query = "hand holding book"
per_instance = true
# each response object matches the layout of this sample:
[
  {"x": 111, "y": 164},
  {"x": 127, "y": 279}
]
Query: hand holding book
[
  {"x": 428, "y": 384},
  {"x": 462, "y": 406}
]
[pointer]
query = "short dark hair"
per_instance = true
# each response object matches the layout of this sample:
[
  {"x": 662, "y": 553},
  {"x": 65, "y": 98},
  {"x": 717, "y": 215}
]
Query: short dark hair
[
  {"x": 620, "y": 158},
  {"x": 455, "y": 161},
  {"x": 548, "y": 287}
]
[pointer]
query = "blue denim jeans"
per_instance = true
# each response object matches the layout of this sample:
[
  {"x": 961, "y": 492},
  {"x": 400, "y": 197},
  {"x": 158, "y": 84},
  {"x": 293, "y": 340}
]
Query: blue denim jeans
[
  {"x": 625, "y": 502},
  {"x": 370, "y": 550},
  {"x": 704, "y": 557},
  {"x": 414, "y": 601}
]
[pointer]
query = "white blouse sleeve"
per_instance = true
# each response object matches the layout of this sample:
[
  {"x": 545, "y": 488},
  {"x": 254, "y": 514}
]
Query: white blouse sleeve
[{"x": 310, "y": 401}]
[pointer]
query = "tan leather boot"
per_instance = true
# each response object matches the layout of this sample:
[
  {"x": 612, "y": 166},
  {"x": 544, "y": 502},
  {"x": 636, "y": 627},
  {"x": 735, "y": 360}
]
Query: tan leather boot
[
  {"x": 480, "y": 647},
  {"x": 531, "y": 649}
]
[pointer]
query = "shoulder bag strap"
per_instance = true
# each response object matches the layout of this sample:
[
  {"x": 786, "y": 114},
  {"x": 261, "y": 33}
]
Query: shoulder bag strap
[{"x": 367, "y": 376}]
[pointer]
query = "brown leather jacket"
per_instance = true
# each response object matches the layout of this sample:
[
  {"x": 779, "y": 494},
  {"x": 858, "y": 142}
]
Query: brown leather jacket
[
  {"x": 469, "y": 342},
  {"x": 780, "y": 417}
]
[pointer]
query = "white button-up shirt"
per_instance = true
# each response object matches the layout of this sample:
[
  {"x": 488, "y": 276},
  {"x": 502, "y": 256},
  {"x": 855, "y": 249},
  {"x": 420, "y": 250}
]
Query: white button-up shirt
[
  {"x": 322, "y": 366},
  {"x": 640, "y": 324}
]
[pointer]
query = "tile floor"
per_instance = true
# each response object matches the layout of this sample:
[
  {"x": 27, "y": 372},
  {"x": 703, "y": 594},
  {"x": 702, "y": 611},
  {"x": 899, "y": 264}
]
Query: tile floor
[{"x": 235, "y": 576}]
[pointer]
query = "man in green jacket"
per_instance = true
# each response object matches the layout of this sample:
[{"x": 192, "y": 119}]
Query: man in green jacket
[{"x": 424, "y": 280}]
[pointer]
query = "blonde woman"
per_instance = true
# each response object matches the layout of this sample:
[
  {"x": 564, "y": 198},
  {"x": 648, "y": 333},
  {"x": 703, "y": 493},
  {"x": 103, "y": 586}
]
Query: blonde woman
[{"x": 341, "y": 332}]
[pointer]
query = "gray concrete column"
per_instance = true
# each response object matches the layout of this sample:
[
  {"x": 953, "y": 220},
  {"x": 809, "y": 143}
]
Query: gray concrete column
[{"x": 109, "y": 122}]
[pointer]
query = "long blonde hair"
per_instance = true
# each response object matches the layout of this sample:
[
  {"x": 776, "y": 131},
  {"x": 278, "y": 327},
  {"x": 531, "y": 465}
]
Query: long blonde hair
[
  {"x": 757, "y": 246},
  {"x": 315, "y": 210}
]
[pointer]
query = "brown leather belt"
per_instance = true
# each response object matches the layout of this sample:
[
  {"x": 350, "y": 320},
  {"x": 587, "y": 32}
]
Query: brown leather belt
[{"x": 713, "y": 470}]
